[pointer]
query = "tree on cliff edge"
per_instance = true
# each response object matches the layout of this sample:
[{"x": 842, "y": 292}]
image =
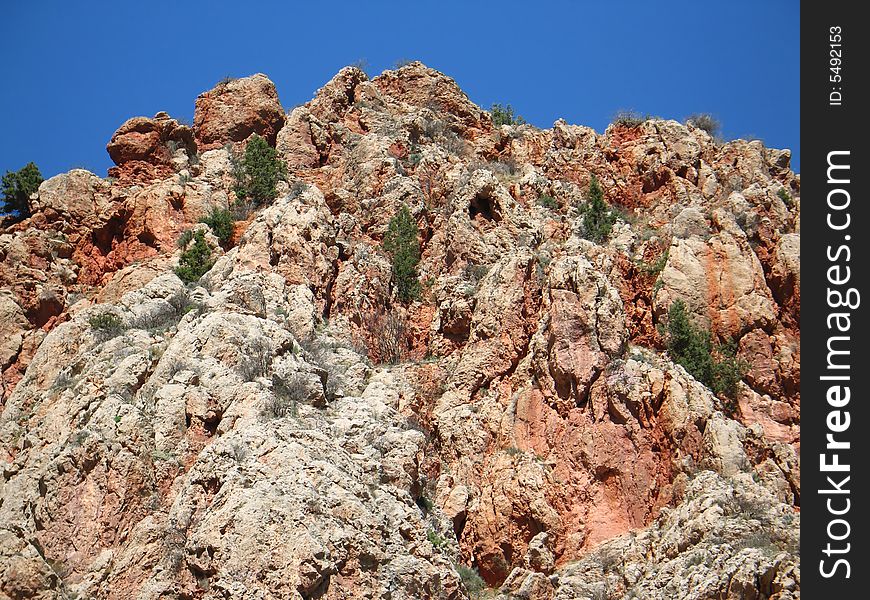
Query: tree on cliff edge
[{"x": 17, "y": 189}]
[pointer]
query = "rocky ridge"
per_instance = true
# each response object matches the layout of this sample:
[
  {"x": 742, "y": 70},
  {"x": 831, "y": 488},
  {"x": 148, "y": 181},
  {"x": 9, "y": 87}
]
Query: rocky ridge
[{"x": 232, "y": 439}]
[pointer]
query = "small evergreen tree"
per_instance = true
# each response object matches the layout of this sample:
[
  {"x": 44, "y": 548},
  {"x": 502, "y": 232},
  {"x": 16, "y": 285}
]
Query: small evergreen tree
[
  {"x": 598, "y": 219},
  {"x": 196, "y": 260},
  {"x": 401, "y": 242},
  {"x": 221, "y": 223},
  {"x": 504, "y": 115},
  {"x": 691, "y": 346},
  {"x": 688, "y": 345},
  {"x": 258, "y": 172},
  {"x": 17, "y": 189}
]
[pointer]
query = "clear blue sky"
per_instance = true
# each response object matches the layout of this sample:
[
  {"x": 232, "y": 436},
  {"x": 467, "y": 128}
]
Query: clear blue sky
[{"x": 73, "y": 72}]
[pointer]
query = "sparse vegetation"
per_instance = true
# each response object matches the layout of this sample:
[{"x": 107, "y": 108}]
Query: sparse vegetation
[
  {"x": 64, "y": 380},
  {"x": 690, "y": 346},
  {"x": 17, "y": 189},
  {"x": 629, "y": 118},
  {"x": 414, "y": 155},
  {"x": 504, "y": 115},
  {"x": 425, "y": 504},
  {"x": 548, "y": 201},
  {"x": 705, "y": 121},
  {"x": 453, "y": 143},
  {"x": 220, "y": 221},
  {"x": 786, "y": 198},
  {"x": 598, "y": 218},
  {"x": 404, "y": 247},
  {"x": 255, "y": 360},
  {"x": 471, "y": 579},
  {"x": 196, "y": 260},
  {"x": 160, "y": 320},
  {"x": 361, "y": 64},
  {"x": 287, "y": 393},
  {"x": 297, "y": 189},
  {"x": 504, "y": 168},
  {"x": 106, "y": 324},
  {"x": 387, "y": 332},
  {"x": 185, "y": 238},
  {"x": 656, "y": 267},
  {"x": 258, "y": 172},
  {"x": 435, "y": 539}
]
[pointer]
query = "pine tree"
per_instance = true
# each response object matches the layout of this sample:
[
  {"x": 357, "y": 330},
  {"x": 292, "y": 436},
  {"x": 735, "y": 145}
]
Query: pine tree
[
  {"x": 221, "y": 223},
  {"x": 17, "y": 189},
  {"x": 691, "y": 346},
  {"x": 258, "y": 172},
  {"x": 196, "y": 260},
  {"x": 401, "y": 242},
  {"x": 598, "y": 219}
]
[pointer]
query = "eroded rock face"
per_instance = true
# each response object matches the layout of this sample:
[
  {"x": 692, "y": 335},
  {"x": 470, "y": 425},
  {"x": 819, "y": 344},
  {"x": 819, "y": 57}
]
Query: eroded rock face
[
  {"x": 236, "y": 108},
  {"x": 727, "y": 539},
  {"x": 232, "y": 438},
  {"x": 144, "y": 149}
]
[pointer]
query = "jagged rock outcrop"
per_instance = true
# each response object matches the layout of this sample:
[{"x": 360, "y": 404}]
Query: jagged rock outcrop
[
  {"x": 145, "y": 149},
  {"x": 249, "y": 434},
  {"x": 236, "y": 108}
]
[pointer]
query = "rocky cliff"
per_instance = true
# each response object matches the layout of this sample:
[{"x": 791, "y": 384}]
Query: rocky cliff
[{"x": 250, "y": 435}]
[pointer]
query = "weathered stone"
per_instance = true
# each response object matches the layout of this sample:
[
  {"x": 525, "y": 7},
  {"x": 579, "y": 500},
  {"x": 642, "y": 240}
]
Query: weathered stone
[{"x": 236, "y": 108}]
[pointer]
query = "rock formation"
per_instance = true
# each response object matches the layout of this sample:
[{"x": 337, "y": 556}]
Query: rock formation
[{"x": 286, "y": 428}]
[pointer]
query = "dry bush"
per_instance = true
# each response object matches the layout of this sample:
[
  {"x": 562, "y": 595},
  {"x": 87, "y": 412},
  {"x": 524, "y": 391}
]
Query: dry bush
[
  {"x": 286, "y": 395},
  {"x": 256, "y": 360},
  {"x": 388, "y": 336},
  {"x": 431, "y": 184}
]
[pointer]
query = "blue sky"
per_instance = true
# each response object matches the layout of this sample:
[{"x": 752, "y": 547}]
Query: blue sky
[{"x": 73, "y": 72}]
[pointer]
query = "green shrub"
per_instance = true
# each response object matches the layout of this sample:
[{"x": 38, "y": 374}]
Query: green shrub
[
  {"x": 184, "y": 238},
  {"x": 435, "y": 539},
  {"x": 221, "y": 223},
  {"x": 258, "y": 172},
  {"x": 598, "y": 219},
  {"x": 196, "y": 260},
  {"x": 471, "y": 579},
  {"x": 785, "y": 197},
  {"x": 548, "y": 201},
  {"x": 425, "y": 504},
  {"x": 504, "y": 115},
  {"x": 705, "y": 121},
  {"x": 17, "y": 189},
  {"x": 656, "y": 267},
  {"x": 401, "y": 242},
  {"x": 691, "y": 347},
  {"x": 106, "y": 324}
]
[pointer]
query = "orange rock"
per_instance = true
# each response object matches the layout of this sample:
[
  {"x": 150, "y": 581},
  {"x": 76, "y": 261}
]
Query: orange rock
[
  {"x": 143, "y": 148},
  {"x": 236, "y": 108}
]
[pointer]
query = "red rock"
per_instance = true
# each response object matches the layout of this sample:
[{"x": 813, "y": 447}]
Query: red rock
[
  {"x": 236, "y": 108},
  {"x": 418, "y": 85},
  {"x": 142, "y": 148}
]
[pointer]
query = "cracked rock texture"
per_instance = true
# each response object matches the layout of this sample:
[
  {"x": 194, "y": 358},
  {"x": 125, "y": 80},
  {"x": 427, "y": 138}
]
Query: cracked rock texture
[{"x": 286, "y": 428}]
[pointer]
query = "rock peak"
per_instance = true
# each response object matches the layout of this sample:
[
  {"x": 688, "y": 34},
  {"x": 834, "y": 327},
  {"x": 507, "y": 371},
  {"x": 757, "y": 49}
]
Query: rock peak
[{"x": 234, "y": 109}]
